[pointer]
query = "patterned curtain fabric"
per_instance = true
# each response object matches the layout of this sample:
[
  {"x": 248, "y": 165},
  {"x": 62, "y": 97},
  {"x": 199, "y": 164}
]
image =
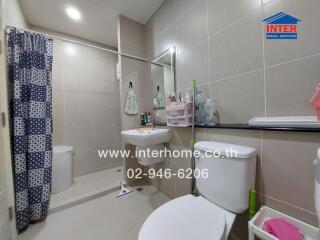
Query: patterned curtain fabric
[{"x": 29, "y": 74}]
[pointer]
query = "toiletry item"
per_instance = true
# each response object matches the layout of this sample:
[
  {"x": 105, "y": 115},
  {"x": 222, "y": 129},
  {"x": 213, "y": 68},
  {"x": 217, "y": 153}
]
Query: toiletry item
[
  {"x": 142, "y": 119},
  {"x": 187, "y": 98},
  {"x": 282, "y": 229},
  {"x": 171, "y": 98},
  {"x": 211, "y": 112},
  {"x": 200, "y": 102},
  {"x": 149, "y": 118},
  {"x": 145, "y": 117}
]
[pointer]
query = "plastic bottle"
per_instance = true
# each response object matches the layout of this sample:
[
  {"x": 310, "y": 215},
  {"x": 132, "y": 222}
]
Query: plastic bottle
[
  {"x": 149, "y": 120},
  {"x": 187, "y": 98},
  {"x": 211, "y": 112},
  {"x": 142, "y": 119},
  {"x": 145, "y": 116},
  {"x": 200, "y": 102}
]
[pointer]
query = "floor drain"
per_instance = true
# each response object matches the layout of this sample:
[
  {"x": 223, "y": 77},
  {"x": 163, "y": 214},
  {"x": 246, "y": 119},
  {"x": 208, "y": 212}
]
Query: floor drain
[
  {"x": 119, "y": 170},
  {"x": 139, "y": 189}
]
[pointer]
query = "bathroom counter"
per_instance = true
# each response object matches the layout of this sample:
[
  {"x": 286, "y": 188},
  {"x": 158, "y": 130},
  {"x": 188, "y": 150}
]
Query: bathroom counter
[{"x": 257, "y": 128}]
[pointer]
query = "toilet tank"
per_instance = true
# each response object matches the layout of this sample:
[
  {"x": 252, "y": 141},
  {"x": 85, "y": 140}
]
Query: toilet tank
[{"x": 231, "y": 174}]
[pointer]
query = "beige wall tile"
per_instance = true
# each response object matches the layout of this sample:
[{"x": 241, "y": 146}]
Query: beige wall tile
[
  {"x": 159, "y": 22},
  {"x": 308, "y": 41},
  {"x": 116, "y": 115},
  {"x": 240, "y": 98},
  {"x": 59, "y": 117},
  {"x": 102, "y": 73},
  {"x": 78, "y": 116},
  {"x": 80, "y": 138},
  {"x": 133, "y": 50},
  {"x": 238, "y": 49},
  {"x": 109, "y": 89},
  {"x": 287, "y": 167},
  {"x": 131, "y": 32},
  {"x": 165, "y": 41},
  {"x": 181, "y": 137},
  {"x": 102, "y": 136},
  {"x": 77, "y": 98},
  {"x": 223, "y": 13},
  {"x": 303, "y": 215},
  {"x": 102, "y": 115},
  {"x": 59, "y": 136},
  {"x": 76, "y": 87},
  {"x": 98, "y": 99},
  {"x": 58, "y": 97},
  {"x": 193, "y": 65},
  {"x": 290, "y": 87},
  {"x": 192, "y": 27},
  {"x": 184, "y": 6},
  {"x": 84, "y": 163}
]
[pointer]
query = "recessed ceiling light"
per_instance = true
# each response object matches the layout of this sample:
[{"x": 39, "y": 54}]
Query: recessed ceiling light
[
  {"x": 70, "y": 50},
  {"x": 73, "y": 13}
]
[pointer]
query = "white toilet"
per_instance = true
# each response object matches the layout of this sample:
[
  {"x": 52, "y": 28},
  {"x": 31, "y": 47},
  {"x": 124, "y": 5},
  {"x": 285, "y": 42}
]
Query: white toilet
[{"x": 223, "y": 194}]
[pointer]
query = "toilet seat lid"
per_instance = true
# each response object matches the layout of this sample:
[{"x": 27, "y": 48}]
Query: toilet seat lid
[{"x": 185, "y": 218}]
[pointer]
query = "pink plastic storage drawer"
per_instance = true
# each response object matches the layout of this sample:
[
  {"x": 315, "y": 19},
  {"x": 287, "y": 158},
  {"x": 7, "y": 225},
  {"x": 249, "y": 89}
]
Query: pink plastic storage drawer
[
  {"x": 179, "y": 110},
  {"x": 179, "y": 121}
]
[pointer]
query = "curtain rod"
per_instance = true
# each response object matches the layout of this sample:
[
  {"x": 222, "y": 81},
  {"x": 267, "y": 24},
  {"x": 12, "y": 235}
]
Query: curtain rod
[{"x": 83, "y": 44}]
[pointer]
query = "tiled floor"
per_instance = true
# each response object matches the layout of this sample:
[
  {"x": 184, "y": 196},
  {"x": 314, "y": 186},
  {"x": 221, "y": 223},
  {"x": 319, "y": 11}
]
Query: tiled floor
[
  {"x": 106, "y": 217},
  {"x": 86, "y": 188}
]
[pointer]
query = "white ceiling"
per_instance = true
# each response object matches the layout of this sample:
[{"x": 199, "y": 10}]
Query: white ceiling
[{"x": 99, "y": 17}]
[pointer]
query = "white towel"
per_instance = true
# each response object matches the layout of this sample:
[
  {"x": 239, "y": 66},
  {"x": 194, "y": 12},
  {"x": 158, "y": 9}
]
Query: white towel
[{"x": 131, "y": 103}]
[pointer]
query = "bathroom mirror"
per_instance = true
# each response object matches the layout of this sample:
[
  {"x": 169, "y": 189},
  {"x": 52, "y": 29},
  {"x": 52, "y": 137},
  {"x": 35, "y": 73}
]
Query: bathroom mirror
[{"x": 163, "y": 77}]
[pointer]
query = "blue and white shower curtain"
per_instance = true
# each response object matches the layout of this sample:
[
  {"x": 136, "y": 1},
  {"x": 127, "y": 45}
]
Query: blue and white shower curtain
[{"x": 29, "y": 58}]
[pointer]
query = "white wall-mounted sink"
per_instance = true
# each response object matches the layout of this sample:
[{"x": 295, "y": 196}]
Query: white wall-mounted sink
[
  {"x": 146, "y": 137},
  {"x": 147, "y": 140}
]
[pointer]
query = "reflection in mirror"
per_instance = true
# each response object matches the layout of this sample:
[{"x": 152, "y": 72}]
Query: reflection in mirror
[{"x": 163, "y": 78}]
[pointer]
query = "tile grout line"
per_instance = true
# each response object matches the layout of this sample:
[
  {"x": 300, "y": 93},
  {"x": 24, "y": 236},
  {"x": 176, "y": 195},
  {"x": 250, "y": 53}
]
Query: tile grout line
[
  {"x": 176, "y": 19},
  {"x": 294, "y": 60},
  {"x": 65, "y": 105},
  {"x": 238, "y": 75},
  {"x": 209, "y": 52},
  {"x": 289, "y": 204},
  {"x": 261, "y": 167},
  {"x": 264, "y": 62},
  {"x": 235, "y": 22}
]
